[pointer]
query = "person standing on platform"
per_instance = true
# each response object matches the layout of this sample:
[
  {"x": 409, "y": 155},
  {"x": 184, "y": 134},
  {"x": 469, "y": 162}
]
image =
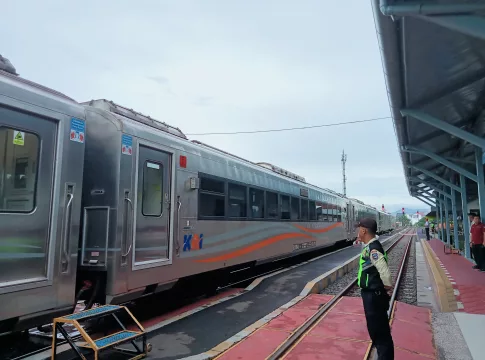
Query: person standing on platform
[
  {"x": 477, "y": 239},
  {"x": 374, "y": 279},
  {"x": 426, "y": 228},
  {"x": 471, "y": 216}
]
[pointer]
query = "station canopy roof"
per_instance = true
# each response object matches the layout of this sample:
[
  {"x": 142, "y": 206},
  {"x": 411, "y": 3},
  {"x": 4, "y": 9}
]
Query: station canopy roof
[{"x": 433, "y": 56}]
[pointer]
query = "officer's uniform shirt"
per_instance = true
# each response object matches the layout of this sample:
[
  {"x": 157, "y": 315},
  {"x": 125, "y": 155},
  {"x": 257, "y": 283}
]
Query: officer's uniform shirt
[
  {"x": 373, "y": 275},
  {"x": 376, "y": 258}
]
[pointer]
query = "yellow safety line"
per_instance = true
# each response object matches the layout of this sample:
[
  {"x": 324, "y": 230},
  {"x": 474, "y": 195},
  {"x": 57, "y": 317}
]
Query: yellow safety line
[
  {"x": 415, "y": 352},
  {"x": 367, "y": 353},
  {"x": 141, "y": 356},
  {"x": 238, "y": 343},
  {"x": 340, "y": 338}
]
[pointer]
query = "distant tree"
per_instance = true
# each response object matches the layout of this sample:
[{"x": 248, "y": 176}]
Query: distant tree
[
  {"x": 404, "y": 219},
  {"x": 421, "y": 222}
]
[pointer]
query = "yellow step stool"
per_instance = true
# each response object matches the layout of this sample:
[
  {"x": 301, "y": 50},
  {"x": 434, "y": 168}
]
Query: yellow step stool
[{"x": 104, "y": 343}]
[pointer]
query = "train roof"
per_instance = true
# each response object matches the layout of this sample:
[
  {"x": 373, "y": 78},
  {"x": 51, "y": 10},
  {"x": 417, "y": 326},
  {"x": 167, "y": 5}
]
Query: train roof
[
  {"x": 119, "y": 110},
  {"x": 20, "y": 80},
  {"x": 133, "y": 115},
  {"x": 269, "y": 168}
]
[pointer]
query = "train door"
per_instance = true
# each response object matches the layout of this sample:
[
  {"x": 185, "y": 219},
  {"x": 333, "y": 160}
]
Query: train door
[
  {"x": 151, "y": 238},
  {"x": 27, "y": 166}
]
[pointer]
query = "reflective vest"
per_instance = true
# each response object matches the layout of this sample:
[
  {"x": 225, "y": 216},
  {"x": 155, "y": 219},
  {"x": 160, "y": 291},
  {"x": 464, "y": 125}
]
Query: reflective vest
[{"x": 368, "y": 277}]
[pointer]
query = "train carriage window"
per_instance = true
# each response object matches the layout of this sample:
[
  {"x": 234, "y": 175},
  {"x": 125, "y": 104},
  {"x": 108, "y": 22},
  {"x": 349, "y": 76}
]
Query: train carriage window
[
  {"x": 304, "y": 209},
  {"x": 256, "y": 201},
  {"x": 325, "y": 209},
  {"x": 272, "y": 205},
  {"x": 285, "y": 207},
  {"x": 152, "y": 197},
  {"x": 212, "y": 197},
  {"x": 18, "y": 170},
  {"x": 313, "y": 211},
  {"x": 237, "y": 201},
  {"x": 339, "y": 213},
  {"x": 319, "y": 208},
  {"x": 331, "y": 211},
  {"x": 295, "y": 208},
  {"x": 212, "y": 185}
]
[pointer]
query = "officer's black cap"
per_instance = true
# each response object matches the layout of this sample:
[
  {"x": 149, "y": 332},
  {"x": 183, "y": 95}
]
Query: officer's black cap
[{"x": 367, "y": 223}]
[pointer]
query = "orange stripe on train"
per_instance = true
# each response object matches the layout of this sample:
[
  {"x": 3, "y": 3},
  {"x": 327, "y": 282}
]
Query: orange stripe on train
[
  {"x": 254, "y": 247},
  {"x": 328, "y": 228}
]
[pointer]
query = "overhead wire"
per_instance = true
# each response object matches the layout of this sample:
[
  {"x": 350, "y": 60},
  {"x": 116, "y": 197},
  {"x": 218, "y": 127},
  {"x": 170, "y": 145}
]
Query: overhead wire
[{"x": 291, "y": 129}]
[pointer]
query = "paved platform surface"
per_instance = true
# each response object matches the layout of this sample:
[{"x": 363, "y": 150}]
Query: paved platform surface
[
  {"x": 468, "y": 283},
  {"x": 340, "y": 335}
]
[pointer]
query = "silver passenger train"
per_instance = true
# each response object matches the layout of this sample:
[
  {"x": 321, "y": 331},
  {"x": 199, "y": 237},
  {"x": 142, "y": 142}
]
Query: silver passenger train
[{"x": 98, "y": 199}]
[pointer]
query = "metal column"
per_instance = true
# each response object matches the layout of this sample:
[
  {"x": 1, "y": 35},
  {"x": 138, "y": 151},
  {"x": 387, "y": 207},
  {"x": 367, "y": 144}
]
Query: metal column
[
  {"x": 447, "y": 219},
  {"x": 455, "y": 222},
  {"x": 466, "y": 223},
  {"x": 480, "y": 181},
  {"x": 440, "y": 216}
]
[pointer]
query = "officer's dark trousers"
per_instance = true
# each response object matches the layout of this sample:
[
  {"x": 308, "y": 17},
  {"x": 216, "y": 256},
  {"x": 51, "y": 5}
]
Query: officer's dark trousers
[
  {"x": 478, "y": 256},
  {"x": 376, "y": 304},
  {"x": 427, "y": 233}
]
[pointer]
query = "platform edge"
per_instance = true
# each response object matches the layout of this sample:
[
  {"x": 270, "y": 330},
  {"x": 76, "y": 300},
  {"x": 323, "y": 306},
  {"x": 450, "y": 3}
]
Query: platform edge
[{"x": 442, "y": 287}]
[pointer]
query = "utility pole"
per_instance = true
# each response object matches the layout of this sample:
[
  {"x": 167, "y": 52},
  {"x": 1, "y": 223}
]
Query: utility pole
[{"x": 344, "y": 178}]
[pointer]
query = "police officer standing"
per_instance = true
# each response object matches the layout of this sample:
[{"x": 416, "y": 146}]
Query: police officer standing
[{"x": 374, "y": 279}]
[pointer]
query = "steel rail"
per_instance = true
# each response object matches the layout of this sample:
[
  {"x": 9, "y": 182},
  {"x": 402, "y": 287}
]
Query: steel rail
[{"x": 302, "y": 330}]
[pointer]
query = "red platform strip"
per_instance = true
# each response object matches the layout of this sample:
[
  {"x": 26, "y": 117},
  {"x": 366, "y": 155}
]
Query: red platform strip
[{"x": 469, "y": 284}]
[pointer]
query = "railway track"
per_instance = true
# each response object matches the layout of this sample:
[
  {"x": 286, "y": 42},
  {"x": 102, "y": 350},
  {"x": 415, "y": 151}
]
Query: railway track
[{"x": 402, "y": 244}]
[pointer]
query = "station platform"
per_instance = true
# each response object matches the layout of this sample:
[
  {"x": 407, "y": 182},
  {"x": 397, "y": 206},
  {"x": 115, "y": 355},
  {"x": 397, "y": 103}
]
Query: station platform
[
  {"x": 468, "y": 283},
  {"x": 340, "y": 335}
]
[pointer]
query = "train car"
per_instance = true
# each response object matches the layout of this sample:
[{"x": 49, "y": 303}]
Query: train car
[
  {"x": 384, "y": 222},
  {"x": 41, "y": 168},
  {"x": 102, "y": 203},
  {"x": 159, "y": 208},
  {"x": 362, "y": 210}
]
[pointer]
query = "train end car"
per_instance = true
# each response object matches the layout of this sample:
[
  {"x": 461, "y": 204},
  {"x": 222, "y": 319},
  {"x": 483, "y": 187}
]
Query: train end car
[{"x": 42, "y": 137}]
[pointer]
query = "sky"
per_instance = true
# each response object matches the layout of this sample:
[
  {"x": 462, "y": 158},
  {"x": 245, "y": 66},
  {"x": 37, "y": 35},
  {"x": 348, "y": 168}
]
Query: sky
[{"x": 227, "y": 66}]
